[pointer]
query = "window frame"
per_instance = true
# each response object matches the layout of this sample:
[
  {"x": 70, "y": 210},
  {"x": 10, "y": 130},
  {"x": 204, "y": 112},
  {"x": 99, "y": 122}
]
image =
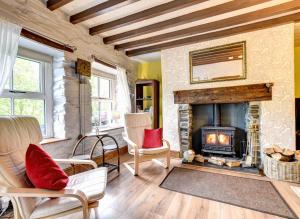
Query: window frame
[
  {"x": 45, "y": 94},
  {"x": 112, "y": 96}
]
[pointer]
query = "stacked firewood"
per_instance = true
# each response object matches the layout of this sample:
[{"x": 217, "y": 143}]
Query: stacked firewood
[{"x": 282, "y": 154}]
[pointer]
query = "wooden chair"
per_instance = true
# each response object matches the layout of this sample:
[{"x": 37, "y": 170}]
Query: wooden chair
[
  {"x": 135, "y": 124},
  {"x": 82, "y": 193}
]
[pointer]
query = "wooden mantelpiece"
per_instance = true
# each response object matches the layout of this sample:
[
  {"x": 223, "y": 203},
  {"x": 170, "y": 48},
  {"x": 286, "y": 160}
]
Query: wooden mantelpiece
[{"x": 234, "y": 94}]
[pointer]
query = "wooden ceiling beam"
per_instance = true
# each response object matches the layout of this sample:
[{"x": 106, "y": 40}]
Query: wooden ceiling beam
[
  {"x": 184, "y": 19},
  {"x": 217, "y": 34},
  {"x": 143, "y": 15},
  {"x": 237, "y": 20},
  {"x": 99, "y": 9},
  {"x": 55, "y": 4}
]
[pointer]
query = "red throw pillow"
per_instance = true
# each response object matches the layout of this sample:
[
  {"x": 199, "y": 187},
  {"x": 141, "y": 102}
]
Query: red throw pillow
[
  {"x": 43, "y": 171},
  {"x": 153, "y": 138}
]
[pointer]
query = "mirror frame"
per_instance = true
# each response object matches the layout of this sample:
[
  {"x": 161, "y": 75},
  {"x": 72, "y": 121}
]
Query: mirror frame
[{"x": 244, "y": 63}]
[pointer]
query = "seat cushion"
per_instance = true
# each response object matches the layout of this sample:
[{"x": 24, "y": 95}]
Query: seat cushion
[
  {"x": 43, "y": 171},
  {"x": 149, "y": 151},
  {"x": 92, "y": 183},
  {"x": 152, "y": 138}
]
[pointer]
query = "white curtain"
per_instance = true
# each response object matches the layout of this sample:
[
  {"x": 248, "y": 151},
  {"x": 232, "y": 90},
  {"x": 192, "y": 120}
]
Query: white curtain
[
  {"x": 9, "y": 40},
  {"x": 123, "y": 94}
]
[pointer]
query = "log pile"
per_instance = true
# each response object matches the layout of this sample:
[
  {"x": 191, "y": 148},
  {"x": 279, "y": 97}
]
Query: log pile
[
  {"x": 233, "y": 163},
  {"x": 217, "y": 160},
  {"x": 282, "y": 154}
]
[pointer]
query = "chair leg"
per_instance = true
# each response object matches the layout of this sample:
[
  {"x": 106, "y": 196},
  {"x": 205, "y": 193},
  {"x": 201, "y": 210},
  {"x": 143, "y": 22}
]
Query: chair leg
[
  {"x": 85, "y": 212},
  {"x": 168, "y": 158},
  {"x": 136, "y": 165}
]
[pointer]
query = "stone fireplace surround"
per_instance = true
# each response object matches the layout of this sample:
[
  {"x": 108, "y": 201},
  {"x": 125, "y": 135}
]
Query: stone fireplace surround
[
  {"x": 270, "y": 58},
  {"x": 235, "y": 94}
]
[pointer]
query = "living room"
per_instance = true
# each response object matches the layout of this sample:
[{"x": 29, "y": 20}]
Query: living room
[{"x": 150, "y": 109}]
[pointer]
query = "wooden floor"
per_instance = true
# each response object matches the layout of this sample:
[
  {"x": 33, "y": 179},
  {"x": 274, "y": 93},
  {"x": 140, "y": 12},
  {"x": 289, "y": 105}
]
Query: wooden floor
[{"x": 141, "y": 197}]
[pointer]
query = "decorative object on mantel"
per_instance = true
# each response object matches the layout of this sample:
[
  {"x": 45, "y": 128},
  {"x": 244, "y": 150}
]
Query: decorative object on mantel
[
  {"x": 282, "y": 164},
  {"x": 221, "y": 63},
  {"x": 189, "y": 155},
  {"x": 253, "y": 143}
]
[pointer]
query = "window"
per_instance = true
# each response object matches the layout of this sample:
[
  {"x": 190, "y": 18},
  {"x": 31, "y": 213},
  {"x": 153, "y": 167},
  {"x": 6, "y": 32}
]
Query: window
[
  {"x": 28, "y": 90},
  {"x": 102, "y": 101}
]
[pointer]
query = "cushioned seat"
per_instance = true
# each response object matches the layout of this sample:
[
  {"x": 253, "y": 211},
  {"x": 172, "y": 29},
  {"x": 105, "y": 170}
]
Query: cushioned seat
[
  {"x": 83, "y": 190},
  {"x": 151, "y": 151},
  {"x": 135, "y": 125},
  {"x": 91, "y": 183}
]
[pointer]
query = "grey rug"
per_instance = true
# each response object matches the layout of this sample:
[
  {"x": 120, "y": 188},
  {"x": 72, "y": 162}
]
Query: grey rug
[{"x": 248, "y": 193}]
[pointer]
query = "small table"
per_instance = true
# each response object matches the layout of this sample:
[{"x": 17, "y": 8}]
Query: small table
[{"x": 105, "y": 148}]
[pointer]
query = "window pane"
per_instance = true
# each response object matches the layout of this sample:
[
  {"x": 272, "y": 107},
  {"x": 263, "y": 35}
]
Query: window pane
[
  {"x": 95, "y": 113},
  {"x": 26, "y": 75},
  {"x": 5, "y": 106},
  {"x": 30, "y": 107},
  {"x": 105, "y": 113},
  {"x": 104, "y": 88},
  {"x": 94, "y": 84},
  {"x": 7, "y": 84}
]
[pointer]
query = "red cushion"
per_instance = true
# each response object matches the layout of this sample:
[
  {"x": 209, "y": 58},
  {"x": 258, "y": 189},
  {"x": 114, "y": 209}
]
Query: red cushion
[
  {"x": 43, "y": 171},
  {"x": 153, "y": 138}
]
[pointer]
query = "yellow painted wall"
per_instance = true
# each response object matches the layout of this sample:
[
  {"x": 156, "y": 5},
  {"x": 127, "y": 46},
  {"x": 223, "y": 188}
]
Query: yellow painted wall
[
  {"x": 297, "y": 72},
  {"x": 152, "y": 70}
]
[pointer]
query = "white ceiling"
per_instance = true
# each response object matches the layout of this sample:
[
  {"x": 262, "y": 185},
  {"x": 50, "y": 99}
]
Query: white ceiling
[{"x": 80, "y": 5}]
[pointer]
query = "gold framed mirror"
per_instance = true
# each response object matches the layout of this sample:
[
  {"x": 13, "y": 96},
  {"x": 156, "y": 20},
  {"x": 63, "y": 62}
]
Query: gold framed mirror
[{"x": 221, "y": 63}]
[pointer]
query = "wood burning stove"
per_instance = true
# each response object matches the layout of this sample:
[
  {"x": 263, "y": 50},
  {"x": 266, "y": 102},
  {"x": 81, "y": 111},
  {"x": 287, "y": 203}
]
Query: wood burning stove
[{"x": 217, "y": 139}]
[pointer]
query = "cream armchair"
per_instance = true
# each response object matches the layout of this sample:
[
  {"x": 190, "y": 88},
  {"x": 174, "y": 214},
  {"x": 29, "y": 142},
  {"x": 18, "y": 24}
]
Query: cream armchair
[
  {"x": 135, "y": 124},
  {"x": 82, "y": 193}
]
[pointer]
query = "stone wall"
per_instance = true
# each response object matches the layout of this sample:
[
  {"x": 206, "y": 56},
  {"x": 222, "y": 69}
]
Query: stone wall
[
  {"x": 270, "y": 58},
  {"x": 34, "y": 15}
]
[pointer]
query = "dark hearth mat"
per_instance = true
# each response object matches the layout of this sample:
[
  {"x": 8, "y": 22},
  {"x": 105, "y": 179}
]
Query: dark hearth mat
[{"x": 258, "y": 195}]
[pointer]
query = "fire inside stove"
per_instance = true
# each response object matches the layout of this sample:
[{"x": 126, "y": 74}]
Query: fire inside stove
[{"x": 222, "y": 139}]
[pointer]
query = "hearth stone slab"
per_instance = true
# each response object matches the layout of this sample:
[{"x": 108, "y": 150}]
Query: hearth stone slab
[{"x": 252, "y": 170}]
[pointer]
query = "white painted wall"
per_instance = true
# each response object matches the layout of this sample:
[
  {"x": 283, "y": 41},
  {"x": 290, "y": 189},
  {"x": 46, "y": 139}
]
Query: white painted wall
[{"x": 270, "y": 58}]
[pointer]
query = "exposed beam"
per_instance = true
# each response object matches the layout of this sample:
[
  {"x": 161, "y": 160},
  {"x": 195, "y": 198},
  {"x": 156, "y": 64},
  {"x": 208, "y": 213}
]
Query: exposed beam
[
  {"x": 237, "y": 20},
  {"x": 143, "y": 15},
  {"x": 99, "y": 9},
  {"x": 233, "y": 94},
  {"x": 55, "y": 4},
  {"x": 216, "y": 34},
  {"x": 184, "y": 19}
]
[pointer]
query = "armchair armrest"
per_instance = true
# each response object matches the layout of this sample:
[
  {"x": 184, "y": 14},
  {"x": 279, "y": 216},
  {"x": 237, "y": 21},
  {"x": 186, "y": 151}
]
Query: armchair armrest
[
  {"x": 45, "y": 193},
  {"x": 76, "y": 161},
  {"x": 131, "y": 143},
  {"x": 167, "y": 143}
]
